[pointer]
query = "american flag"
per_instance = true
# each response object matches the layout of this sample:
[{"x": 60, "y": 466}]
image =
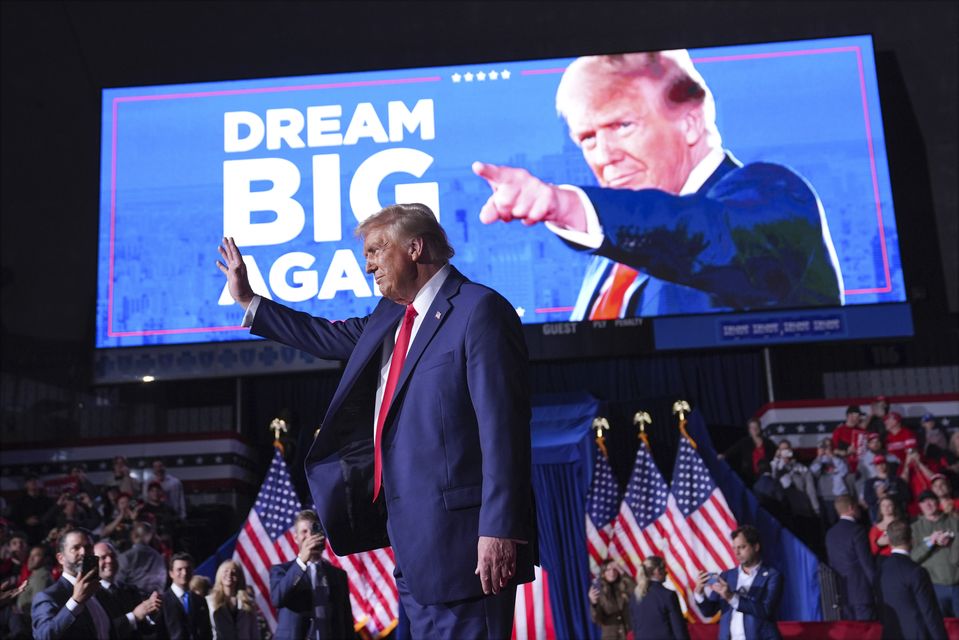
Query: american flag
[
  {"x": 533, "y": 618},
  {"x": 641, "y": 527},
  {"x": 700, "y": 520},
  {"x": 267, "y": 539},
  {"x": 602, "y": 503}
]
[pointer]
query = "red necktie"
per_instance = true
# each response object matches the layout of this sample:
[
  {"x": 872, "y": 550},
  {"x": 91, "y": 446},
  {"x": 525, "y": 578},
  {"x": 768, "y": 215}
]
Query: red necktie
[
  {"x": 396, "y": 366},
  {"x": 610, "y": 301}
]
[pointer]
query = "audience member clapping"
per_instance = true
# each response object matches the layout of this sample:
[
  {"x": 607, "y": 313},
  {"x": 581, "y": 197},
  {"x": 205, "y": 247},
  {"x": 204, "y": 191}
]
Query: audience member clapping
[
  {"x": 884, "y": 485},
  {"x": 232, "y": 610},
  {"x": 830, "y": 473},
  {"x": 934, "y": 547}
]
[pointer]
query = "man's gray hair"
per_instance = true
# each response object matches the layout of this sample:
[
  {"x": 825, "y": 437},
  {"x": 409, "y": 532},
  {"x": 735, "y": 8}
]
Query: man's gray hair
[
  {"x": 408, "y": 221},
  {"x": 673, "y": 70}
]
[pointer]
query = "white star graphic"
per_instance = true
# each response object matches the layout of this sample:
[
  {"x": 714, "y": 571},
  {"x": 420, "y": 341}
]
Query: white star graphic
[
  {"x": 456, "y": 77},
  {"x": 493, "y": 75},
  {"x": 481, "y": 76},
  {"x": 505, "y": 74},
  {"x": 820, "y": 427},
  {"x": 801, "y": 428},
  {"x": 468, "y": 77},
  {"x": 520, "y": 311},
  {"x": 945, "y": 422}
]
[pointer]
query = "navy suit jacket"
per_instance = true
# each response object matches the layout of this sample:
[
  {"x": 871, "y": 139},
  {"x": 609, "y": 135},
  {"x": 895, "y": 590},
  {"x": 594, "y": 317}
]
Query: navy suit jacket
[
  {"x": 658, "y": 615},
  {"x": 291, "y": 594},
  {"x": 752, "y": 237},
  {"x": 758, "y": 605},
  {"x": 53, "y": 621},
  {"x": 173, "y": 623},
  {"x": 847, "y": 545},
  {"x": 456, "y": 443},
  {"x": 909, "y": 609}
]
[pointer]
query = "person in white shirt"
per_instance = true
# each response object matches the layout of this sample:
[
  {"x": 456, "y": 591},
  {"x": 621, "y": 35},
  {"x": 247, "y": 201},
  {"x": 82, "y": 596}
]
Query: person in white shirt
[
  {"x": 748, "y": 596},
  {"x": 172, "y": 488}
]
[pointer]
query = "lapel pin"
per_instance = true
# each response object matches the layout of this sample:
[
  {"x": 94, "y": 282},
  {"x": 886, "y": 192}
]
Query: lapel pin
[
  {"x": 765, "y": 573},
  {"x": 438, "y": 315}
]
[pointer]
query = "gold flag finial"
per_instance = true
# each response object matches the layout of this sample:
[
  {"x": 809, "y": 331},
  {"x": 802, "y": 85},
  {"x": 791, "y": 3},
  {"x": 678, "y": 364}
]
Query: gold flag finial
[
  {"x": 641, "y": 419},
  {"x": 601, "y": 424},
  {"x": 278, "y": 425},
  {"x": 682, "y": 408}
]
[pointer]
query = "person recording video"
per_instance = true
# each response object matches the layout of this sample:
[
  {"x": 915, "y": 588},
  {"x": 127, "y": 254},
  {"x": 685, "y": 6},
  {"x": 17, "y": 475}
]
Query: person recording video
[{"x": 311, "y": 596}]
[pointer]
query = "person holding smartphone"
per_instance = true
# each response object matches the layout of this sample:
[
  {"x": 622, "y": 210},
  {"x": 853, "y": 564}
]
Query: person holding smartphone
[
  {"x": 70, "y": 609},
  {"x": 311, "y": 596},
  {"x": 609, "y": 598}
]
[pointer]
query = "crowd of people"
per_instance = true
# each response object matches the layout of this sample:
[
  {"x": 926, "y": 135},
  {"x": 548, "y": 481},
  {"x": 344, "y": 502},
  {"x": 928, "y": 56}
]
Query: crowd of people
[{"x": 141, "y": 584}]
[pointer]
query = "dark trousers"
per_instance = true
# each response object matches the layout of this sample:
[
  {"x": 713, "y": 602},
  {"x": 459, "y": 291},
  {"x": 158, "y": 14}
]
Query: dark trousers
[
  {"x": 485, "y": 618},
  {"x": 860, "y": 612},
  {"x": 948, "y": 598}
]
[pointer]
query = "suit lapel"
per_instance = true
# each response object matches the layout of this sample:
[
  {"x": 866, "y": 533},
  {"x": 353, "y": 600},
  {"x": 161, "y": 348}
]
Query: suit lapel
[{"x": 435, "y": 317}]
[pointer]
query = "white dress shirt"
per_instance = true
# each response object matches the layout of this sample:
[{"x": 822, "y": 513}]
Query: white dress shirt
[{"x": 737, "y": 628}]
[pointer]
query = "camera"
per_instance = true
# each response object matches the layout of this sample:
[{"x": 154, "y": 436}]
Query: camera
[{"x": 90, "y": 562}]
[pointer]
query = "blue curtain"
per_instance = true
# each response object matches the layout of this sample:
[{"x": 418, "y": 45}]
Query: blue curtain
[
  {"x": 780, "y": 548},
  {"x": 209, "y": 566},
  {"x": 561, "y": 472}
]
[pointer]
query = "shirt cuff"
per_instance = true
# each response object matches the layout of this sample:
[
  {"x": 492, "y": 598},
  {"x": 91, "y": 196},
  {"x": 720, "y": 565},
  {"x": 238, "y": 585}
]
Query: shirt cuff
[
  {"x": 593, "y": 237},
  {"x": 250, "y": 312},
  {"x": 74, "y": 607},
  {"x": 699, "y": 597},
  {"x": 734, "y": 602},
  {"x": 299, "y": 563},
  {"x": 132, "y": 619}
]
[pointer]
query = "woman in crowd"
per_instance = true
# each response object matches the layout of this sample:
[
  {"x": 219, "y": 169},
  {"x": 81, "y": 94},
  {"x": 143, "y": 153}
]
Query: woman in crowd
[
  {"x": 745, "y": 454},
  {"x": 655, "y": 611},
  {"x": 232, "y": 611},
  {"x": 889, "y": 510},
  {"x": 609, "y": 599}
]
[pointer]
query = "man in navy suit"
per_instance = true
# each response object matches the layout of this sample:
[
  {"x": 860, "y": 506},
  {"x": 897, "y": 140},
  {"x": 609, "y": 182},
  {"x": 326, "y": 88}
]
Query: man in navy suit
[
  {"x": 426, "y": 443},
  {"x": 184, "y": 615},
  {"x": 748, "y": 596},
  {"x": 909, "y": 607},
  {"x": 678, "y": 225},
  {"x": 69, "y": 608},
  {"x": 847, "y": 546},
  {"x": 129, "y": 612},
  {"x": 312, "y": 597}
]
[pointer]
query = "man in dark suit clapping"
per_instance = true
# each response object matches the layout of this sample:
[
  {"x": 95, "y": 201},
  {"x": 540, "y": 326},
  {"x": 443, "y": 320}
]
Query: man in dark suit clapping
[
  {"x": 909, "y": 608},
  {"x": 123, "y": 603},
  {"x": 184, "y": 615},
  {"x": 311, "y": 595},
  {"x": 69, "y": 608}
]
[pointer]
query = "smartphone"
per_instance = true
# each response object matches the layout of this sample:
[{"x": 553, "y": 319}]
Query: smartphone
[
  {"x": 713, "y": 578},
  {"x": 597, "y": 583},
  {"x": 90, "y": 562},
  {"x": 315, "y": 528}
]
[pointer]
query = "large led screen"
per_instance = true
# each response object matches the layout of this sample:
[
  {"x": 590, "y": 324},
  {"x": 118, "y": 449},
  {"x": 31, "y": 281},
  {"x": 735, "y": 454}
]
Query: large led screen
[{"x": 727, "y": 179}]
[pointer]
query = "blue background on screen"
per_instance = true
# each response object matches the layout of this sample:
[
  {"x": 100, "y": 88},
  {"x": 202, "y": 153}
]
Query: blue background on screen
[{"x": 805, "y": 111}]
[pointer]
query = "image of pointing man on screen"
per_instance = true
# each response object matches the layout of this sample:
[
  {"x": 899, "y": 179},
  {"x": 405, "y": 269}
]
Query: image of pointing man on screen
[{"x": 677, "y": 225}]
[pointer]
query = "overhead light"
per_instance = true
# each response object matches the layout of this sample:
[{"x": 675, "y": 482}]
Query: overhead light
[{"x": 148, "y": 378}]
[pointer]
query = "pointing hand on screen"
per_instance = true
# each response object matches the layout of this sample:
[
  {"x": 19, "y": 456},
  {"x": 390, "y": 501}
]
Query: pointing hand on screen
[
  {"x": 234, "y": 269},
  {"x": 519, "y": 195}
]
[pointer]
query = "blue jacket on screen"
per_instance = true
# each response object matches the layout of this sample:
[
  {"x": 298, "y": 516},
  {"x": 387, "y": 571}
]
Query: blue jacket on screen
[{"x": 753, "y": 237}]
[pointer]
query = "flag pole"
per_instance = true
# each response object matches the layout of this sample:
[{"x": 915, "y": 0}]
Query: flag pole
[{"x": 601, "y": 424}]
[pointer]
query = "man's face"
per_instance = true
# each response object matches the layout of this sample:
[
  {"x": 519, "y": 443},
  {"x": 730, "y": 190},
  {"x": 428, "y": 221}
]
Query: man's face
[
  {"x": 754, "y": 428},
  {"x": 929, "y": 507},
  {"x": 746, "y": 554},
  {"x": 155, "y": 494},
  {"x": 75, "y": 547},
  {"x": 108, "y": 561},
  {"x": 785, "y": 451},
  {"x": 940, "y": 487},
  {"x": 852, "y": 419},
  {"x": 391, "y": 263},
  {"x": 180, "y": 573},
  {"x": 302, "y": 531},
  {"x": 32, "y": 486},
  {"x": 159, "y": 470},
  {"x": 947, "y": 505},
  {"x": 874, "y": 444},
  {"x": 36, "y": 558},
  {"x": 882, "y": 468},
  {"x": 629, "y": 138},
  {"x": 18, "y": 548},
  {"x": 892, "y": 424}
]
